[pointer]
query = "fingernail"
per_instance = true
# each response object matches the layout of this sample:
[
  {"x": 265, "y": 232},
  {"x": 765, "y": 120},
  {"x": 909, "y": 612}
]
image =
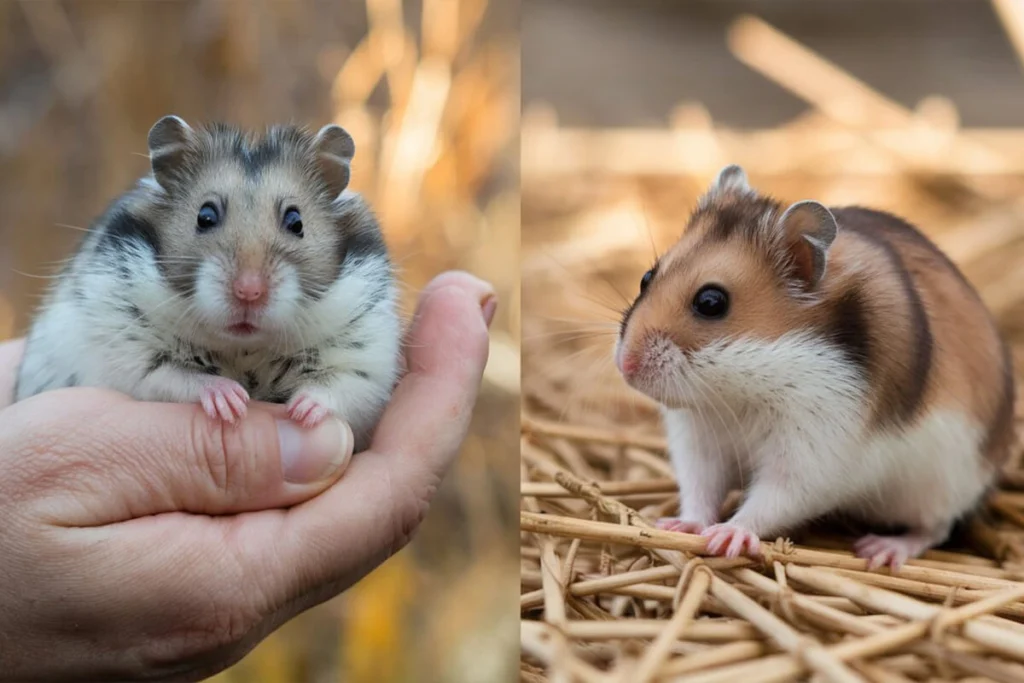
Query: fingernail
[
  {"x": 312, "y": 455},
  {"x": 488, "y": 306}
]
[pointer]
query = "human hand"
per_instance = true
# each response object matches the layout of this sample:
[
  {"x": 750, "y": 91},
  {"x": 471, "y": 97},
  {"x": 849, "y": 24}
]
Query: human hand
[{"x": 144, "y": 541}]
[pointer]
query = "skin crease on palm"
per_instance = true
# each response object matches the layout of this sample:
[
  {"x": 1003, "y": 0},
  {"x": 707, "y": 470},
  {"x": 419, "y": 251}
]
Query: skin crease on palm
[{"x": 145, "y": 541}]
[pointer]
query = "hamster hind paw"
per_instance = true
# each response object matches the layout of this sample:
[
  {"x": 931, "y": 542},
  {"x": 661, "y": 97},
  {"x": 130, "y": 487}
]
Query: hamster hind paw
[
  {"x": 224, "y": 399},
  {"x": 729, "y": 540},
  {"x": 893, "y": 551}
]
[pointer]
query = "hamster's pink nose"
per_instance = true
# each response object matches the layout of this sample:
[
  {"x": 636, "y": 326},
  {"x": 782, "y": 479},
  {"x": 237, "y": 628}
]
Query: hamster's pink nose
[
  {"x": 627, "y": 362},
  {"x": 250, "y": 288}
]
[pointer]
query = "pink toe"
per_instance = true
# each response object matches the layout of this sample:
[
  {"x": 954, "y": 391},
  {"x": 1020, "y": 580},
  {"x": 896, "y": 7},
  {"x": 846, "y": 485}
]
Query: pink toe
[
  {"x": 879, "y": 559},
  {"x": 209, "y": 408},
  {"x": 222, "y": 407},
  {"x": 897, "y": 561},
  {"x": 710, "y": 546},
  {"x": 724, "y": 539},
  {"x": 717, "y": 542},
  {"x": 237, "y": 404}
]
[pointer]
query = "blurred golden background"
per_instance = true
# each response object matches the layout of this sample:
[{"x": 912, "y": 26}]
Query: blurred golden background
[
  {"x": 629, "y": 111},
  {"x": 429, "y": 91}
]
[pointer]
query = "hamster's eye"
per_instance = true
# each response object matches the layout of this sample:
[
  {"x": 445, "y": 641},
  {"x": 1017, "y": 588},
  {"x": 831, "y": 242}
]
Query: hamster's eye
[
  {"x": 208, "y": 217},
  {"x": 646, "y": 279},
  {"x": 292, "y": 221},
  {"x": 711, "y": 302}
]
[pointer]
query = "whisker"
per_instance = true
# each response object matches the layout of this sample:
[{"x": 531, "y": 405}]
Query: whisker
[
  {"x": 577, "y": 335},
  {"x": 74, "y": 227},
  {"x": 573, "y": 278},
  {"x": 35, "y": 277},
  {"x": 647, "y": 225}
]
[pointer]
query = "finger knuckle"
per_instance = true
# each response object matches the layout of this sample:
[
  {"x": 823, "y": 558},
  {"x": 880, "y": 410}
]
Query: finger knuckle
[{"x": 221, "y": 455}]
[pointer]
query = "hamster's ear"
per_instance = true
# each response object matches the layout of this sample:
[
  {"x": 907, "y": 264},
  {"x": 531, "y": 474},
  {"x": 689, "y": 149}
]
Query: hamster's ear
[
  {"x": 732, "y": 178},
  {"x": 334, "y": 151},
  {"x": 169, "y": 139},
  {"x": 808, "y": 229}
]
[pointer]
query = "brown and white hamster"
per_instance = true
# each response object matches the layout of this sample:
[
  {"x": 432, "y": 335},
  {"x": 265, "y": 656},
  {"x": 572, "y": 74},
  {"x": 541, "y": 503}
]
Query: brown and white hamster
[
  {"x": 240, "y": 267},
  {"x": 829, "y": 361}
]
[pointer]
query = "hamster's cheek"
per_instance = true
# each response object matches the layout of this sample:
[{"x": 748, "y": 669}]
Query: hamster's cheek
[
  {"x": 655, "y": 366},
  {"x": 210, "y": 297},
  {"x": 286, "y": 296}
]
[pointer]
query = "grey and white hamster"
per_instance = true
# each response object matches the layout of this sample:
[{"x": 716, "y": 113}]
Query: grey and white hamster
[{"x": 240, "y": 267}]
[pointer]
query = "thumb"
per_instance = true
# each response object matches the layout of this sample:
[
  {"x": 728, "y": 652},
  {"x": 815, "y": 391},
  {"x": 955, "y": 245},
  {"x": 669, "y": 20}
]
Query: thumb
[{"x": 109, "y": 458}]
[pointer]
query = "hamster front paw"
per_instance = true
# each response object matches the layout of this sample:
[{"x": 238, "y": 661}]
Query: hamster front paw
[
  {"x": 729, "y": 540},
  {"x": 224, "y": 399},
  {"x": 308, "y": 409}
]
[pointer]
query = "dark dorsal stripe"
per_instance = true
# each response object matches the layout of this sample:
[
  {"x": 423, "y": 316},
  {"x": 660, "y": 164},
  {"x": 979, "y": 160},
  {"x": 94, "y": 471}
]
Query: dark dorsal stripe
[
  {"x": 901, "y": 397},
  {"x": 849, "y": 328},
  {"x": 125, "y": 230},
  {"x": 1000, "y": 432}
]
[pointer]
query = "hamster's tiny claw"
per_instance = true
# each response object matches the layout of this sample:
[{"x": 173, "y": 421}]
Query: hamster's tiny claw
[
  {"x": 729, "y": 540},
  {"x": 677, "y": 524},
  {"x": 307, "y": 411},
  {"x": 225, "y": 399}
]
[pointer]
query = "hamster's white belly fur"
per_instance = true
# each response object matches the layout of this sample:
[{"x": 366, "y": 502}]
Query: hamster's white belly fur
[
  {"x": 795, "y": 435},
  {"x": 926, "y": 471}
]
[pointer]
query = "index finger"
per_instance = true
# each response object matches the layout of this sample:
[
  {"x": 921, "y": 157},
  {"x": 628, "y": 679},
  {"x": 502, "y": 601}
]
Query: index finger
[{"x": 10, "y": 357}]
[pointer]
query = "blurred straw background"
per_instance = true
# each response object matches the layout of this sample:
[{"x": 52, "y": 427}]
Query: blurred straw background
[
  {"x": 429, "y": 90},
  {"x": 630, "y": 109}
]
